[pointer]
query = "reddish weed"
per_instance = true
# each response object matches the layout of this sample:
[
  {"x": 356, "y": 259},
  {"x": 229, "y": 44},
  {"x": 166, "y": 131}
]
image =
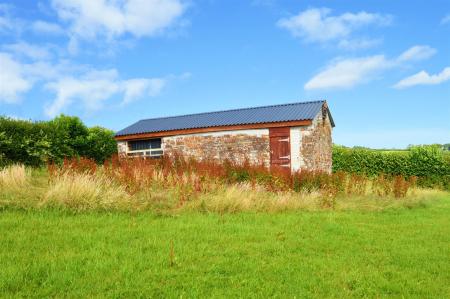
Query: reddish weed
[{"x": 190, "y": 177}]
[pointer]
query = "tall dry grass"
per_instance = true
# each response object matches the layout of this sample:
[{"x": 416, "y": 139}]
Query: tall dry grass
[
  {"x": 244, "y": 197},
  {"x": 172, "y": 185},
  {"x": 182, "y": 183},
  {"x": 14, "y": 177},
  {"x": 85, "y": 191}
]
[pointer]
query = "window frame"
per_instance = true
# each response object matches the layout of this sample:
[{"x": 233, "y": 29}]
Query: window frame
[{"x": 147, "y": 152}]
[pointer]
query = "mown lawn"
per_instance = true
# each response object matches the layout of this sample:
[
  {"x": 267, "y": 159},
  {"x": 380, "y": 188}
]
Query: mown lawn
[{"x": 394, "y": 253}]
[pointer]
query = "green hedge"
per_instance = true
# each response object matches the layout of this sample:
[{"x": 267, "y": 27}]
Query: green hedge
[
  {"x": 35, "y": 143},
  {"x": 429, "y": 163}
]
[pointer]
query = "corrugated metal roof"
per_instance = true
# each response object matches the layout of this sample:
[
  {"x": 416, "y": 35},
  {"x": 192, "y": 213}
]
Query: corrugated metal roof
[{"x": 255, "y": 115}]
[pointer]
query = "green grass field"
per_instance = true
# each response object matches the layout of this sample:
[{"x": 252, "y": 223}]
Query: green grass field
[{"x": 394, "y": 253}]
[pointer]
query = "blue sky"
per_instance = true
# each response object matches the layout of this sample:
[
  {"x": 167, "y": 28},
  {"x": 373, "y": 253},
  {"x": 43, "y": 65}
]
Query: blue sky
[{"x": 383, "y": 65}]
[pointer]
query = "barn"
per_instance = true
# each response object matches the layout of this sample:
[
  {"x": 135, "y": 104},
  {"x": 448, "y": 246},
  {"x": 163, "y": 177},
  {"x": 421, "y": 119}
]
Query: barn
[{"x": 289, "y": 136}]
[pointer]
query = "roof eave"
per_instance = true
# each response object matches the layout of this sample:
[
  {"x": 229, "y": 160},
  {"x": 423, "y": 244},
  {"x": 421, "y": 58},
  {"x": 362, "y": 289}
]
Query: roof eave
[{"x": 143, "y": 135}]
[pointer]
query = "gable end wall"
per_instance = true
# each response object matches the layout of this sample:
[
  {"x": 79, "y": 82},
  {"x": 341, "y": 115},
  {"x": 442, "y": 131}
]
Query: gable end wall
[{"x": 316, "y": 145}]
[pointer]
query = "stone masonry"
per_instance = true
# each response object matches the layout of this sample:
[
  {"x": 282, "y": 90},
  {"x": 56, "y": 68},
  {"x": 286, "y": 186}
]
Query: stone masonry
[
  {"x": 316, "y": 144},
  {"x": 234, "y": 146}
]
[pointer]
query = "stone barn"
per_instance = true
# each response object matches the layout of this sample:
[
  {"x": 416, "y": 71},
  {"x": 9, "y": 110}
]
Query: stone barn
[{"x": 290, "y": 136}]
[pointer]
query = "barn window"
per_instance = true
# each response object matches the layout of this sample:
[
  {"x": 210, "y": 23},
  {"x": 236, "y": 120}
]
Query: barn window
[{"x": 145, "y": 148}]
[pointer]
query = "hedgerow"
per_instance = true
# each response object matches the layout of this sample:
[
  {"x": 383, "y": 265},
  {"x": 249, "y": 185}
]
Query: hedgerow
[
  {"x": 36, "y": 143},
  {"x": 430, "y": 164}
]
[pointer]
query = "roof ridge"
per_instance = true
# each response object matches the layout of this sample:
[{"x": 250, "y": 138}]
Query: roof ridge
[{"x": 236, "y": 109}]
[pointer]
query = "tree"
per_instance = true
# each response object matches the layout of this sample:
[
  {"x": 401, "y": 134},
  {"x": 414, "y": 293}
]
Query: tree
[
  {"x": 100, "y": 144},
  {"x": 67, "y": 136}
]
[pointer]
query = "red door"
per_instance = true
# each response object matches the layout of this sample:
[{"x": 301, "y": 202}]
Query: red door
[{"x": 280, "y": 148}]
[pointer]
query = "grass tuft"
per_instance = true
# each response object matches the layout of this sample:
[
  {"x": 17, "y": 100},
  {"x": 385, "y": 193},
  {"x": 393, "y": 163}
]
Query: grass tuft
[
  {"x": 83, "y": 191},
  {"x": 14, "y": 177}
]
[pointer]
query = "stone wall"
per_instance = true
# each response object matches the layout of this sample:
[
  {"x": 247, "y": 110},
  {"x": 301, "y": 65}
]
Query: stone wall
[
  {"x": 231, "y": 145},
  {"x": 316, "y": 144}
]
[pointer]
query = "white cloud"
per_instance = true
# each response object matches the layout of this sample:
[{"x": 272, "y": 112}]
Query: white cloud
[
  {"x": 73, "y": 46},
  {"x": 417, "y": 53},
  {"x": 357, "y": 44},
  {"x": 45, "y": 70},
  {"x": 317, "y": 25},
  {"x": 92, "y": 18},
  {"x": 9, "y": 24},
  {"x": 93, "y": 88},
  {"x": 17, "y": 77},
  {"x": 6, "y": 23},
  {"x": 12, "y": 80},
  {"x": 423, "y": 78},
  {"x": 25, "y": 65},
  {"x": 347, "y": 73},
  {"x": 136, "y": 88},
  {"x": 82, "y": 85},
  {"x": 446, "y": 19},
  {"x": 46, "y": 28},
  {"x": 28, "y": 50}
]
